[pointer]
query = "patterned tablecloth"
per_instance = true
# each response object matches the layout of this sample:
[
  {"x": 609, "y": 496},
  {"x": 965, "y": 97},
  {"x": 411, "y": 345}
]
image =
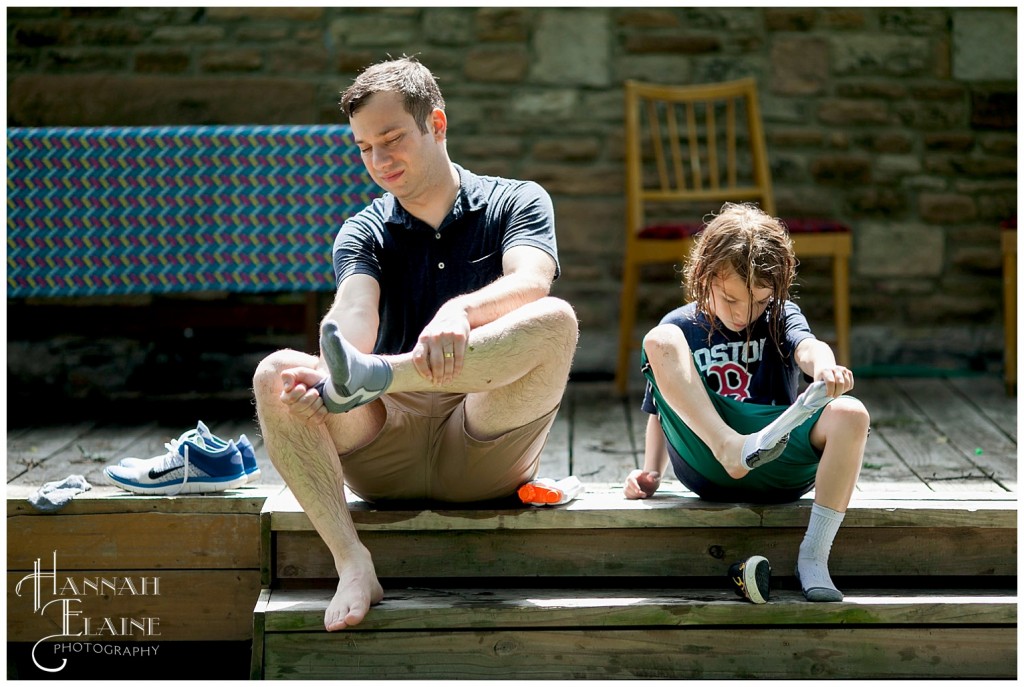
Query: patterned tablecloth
[{"x": 132, "y": 210}]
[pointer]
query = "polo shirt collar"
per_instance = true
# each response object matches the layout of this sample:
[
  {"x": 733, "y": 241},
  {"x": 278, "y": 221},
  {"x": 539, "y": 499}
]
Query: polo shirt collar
[{"x": 471, "y": 197}]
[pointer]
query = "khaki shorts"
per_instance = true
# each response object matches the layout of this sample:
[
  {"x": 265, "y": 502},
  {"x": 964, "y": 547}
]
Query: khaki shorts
[{"x": 423, "y": 451}]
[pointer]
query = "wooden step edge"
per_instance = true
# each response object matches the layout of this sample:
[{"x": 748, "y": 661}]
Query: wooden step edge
[
  {"x": 606, "y": 508},
  {"x": 106, "y": 500},
  {"x": 258, "y": 631},
  {"x": 438, "y": 609}
]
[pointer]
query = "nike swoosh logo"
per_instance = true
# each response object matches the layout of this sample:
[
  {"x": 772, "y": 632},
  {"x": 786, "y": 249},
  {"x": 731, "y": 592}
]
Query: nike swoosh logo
[
  {"x": 360, "y": 396},
  {"x": 157, "y": 474}
]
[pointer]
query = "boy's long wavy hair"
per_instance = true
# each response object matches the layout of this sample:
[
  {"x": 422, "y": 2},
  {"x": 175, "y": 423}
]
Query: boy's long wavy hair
[{"x": 756, "y": 246}]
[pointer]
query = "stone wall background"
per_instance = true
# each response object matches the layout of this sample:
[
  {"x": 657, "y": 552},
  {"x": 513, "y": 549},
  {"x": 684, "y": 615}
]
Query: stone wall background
[{"x": 901, "y": 122}]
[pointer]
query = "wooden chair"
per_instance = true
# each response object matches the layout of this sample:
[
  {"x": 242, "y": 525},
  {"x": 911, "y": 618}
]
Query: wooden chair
[
  {"x": 688, "y": 150},
  {"x": 1009, "y": 249}
]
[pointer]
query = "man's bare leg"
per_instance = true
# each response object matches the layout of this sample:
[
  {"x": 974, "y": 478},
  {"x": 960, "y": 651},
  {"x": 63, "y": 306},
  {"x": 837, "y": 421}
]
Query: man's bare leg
[
  {"x": 523, "y": 357},
  {"x": 514, "y": 371},
  {"x": 304, "y": 443}
]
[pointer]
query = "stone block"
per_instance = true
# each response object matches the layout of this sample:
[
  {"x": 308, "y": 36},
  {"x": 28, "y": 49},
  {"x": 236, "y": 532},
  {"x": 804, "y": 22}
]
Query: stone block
[
  {"x": 262, "y": 33},
  {"x": 85, "y": 60},
  {"x": 647, "y": 18},
  {"x": 86, "y": 100},
  {"x": 504, "y": 64},
  {"x": 298, "y": 13},
  {"x": 841, "y": 169},
  {"x": 449, "y": 25},
  {"x": 949, "y": 142},
  {"x": 994, "y": 110},
  {"x": 572, "y": 48},
  {"x": 854, "y": 112},
  {"x": 109, "y": 34},
  {"x": 871, "y": 88},
  {"x": 556, "y": 104},
  {"x": 591, "y": 226},
  {"x": 921, "y": 21},
  {"x": 799, "y": 65},
  {"x": 38, "y": 34},
  {"x": 494, "y": 24},
  {"x": 382, "y": 29},
  {"x": 674, "y": 43},
  {"x": 882, "y": 202},
  {"x": 573, "y": 180},
  {"x": 946, "y": 208},
  {"x": 653, "y": 69},
  {"x": 576, "y": 149},
  {"x": 287, "y": 60},
  {"x": 188, "y": 34},
  {"x": 231, "y": 60},
  {"x": 985, "y": 44},
  {"x": 880, "y": 54},
  {"x": 162, "y": 61},
  {"x": 883, "y": 249},
  {"x": 790, "y": 19}
]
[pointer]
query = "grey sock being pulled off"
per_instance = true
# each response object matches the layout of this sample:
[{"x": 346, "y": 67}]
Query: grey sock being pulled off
[{"x": 355, "y": 378}]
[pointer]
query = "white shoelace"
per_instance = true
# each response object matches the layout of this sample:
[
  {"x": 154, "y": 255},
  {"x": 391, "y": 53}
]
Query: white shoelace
[{"x": 170, "y": 459}]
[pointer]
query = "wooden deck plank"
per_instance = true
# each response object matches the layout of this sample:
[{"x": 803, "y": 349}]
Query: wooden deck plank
[
  {"x": 26, "y": 452},
  {"x": 127, "y": 541},
  {"x": 437, "y": 609},
  {"x": 603, "y": 506},
  {"x": 988, "y": 394},
  {"x": 698, "y": 652},
  {"x": 602, "y": 443},
  {"x": 189, "y": 605},
  {"x": 978, "y": 442},
  {"x": 554, "y": 459},
  {"x": 88, "y": 454}
]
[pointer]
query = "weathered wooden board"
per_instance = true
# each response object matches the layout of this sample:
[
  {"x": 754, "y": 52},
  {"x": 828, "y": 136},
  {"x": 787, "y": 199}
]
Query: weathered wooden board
[
  {"x": 698, "y": 652},
  {"x": 603, "y": 506},
  {"x": 858, "y": 551},
  {"x": 28, "y": 451},
  {"x": 191, "y": 605},
  {"x": 603, "y": 447},
  {"x": 302, "y": 610},
  {"x": 113, "y": 501},
  {"x": 978, "y": 441},
  {"x": 127, "y": 541},
  {"x": 988, "y": 395}
]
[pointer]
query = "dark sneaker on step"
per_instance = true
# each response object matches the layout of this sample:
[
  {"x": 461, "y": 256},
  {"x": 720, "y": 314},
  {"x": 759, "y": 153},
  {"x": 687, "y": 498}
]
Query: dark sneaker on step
[{"x": 752, "y": 579}]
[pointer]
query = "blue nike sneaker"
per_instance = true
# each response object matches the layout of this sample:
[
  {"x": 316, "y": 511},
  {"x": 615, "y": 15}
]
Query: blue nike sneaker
[
  {"x": 249, "y": 464},
  {"x": 192, "y": 465}
]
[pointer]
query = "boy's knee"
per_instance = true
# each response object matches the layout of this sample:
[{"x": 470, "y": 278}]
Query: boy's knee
[
  {"x": 851, "y": 412},
  {"x": 661, "y": 339}
]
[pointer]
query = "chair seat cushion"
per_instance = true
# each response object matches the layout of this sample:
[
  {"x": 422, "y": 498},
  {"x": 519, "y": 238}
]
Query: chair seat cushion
[
  {"x": 796, "y": 225},
  {"x": 1009, "y": 224}
]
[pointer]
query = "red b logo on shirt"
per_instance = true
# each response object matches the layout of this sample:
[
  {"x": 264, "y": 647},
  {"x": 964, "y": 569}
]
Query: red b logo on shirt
[{"x": 733, "y": 380}]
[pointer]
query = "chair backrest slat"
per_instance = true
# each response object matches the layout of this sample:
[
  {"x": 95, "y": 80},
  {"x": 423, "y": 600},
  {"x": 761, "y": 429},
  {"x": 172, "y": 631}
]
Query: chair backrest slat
[{"x": 697, "y": 145}]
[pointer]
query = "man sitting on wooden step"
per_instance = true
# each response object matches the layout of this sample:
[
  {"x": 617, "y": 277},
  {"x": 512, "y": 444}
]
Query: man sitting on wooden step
[{"x": 443, "y": 359}]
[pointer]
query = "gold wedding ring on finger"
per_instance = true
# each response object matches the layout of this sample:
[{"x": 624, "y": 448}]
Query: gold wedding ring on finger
[{"x": 449, "y": 355}]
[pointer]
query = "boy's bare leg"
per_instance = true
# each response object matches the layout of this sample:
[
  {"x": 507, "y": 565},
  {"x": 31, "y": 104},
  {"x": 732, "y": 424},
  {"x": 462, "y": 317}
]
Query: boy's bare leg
[
  {"x": 304, "y": 443},
  {"x": 671, "y": 359},
  {"x": 840, "y": 434}
]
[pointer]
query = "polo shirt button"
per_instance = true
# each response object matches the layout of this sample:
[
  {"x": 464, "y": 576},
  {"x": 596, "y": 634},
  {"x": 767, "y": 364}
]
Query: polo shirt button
[
  {"x": 437, "y": 235},
  {"x": 440, "y": 265}
]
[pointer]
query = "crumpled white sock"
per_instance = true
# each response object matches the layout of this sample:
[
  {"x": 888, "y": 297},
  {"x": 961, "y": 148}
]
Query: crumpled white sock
[{"x": 53, "y": 496}]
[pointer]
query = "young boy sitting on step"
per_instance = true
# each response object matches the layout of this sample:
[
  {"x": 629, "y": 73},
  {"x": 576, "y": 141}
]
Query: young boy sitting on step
[{"x": 723, "y": 374}]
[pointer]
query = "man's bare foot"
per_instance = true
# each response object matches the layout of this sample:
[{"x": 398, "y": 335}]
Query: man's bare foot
[{"x": 358, "y": 589}]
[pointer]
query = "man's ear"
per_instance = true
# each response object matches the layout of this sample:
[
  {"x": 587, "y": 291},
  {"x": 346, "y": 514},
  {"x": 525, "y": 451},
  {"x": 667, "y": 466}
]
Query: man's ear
[{"x": 439, "y": 124}]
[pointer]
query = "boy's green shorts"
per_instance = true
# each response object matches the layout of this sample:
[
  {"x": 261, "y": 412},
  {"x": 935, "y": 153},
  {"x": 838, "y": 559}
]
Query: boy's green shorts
[{"x": 784, "y": 479}]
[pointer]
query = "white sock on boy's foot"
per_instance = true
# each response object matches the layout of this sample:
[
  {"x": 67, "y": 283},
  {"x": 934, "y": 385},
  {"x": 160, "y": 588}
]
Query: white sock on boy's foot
[
  {"x": 768, "y": 444},
  {"x": 355, "y": 379},
  {"x": 812, "y": 562}
]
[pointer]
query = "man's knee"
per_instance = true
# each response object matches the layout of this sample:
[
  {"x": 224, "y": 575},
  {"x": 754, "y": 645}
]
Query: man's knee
[
  {"x": 561, "y": 318},
  {"x": 850, "y": 413},
  {"x": 266, "y": 380}
]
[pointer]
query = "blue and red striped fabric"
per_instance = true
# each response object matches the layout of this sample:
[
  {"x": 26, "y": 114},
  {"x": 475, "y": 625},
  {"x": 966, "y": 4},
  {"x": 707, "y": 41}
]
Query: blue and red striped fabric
[{"x": 133, "y": 210}]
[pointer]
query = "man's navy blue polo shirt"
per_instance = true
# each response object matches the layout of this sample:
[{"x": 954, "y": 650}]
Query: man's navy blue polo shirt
[{"x": 420, "y": 268}]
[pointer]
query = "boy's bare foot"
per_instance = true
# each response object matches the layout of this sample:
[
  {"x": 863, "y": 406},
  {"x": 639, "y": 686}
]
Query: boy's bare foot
[{"x": 358, "y": 589}]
